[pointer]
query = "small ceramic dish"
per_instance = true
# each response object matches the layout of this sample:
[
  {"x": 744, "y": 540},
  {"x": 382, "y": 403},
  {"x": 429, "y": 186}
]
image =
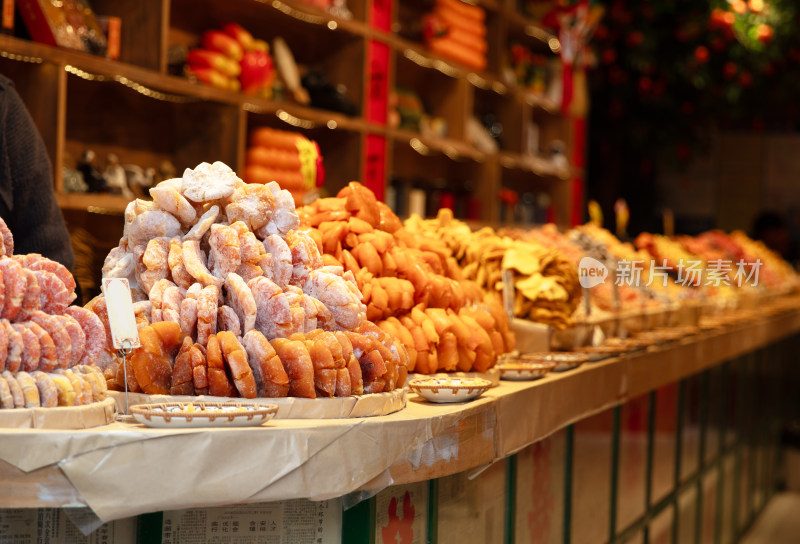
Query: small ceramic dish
[
  {"x": 524, "y": 370},
  {"x": 449, "y": 389},
  {"x": 627, "y": 344},
  {"x": 598, "y": 353},
  {"x": 202, "y": 414},
  {"x": 563, "y": 360},
  {"x": 661, "y": 336}
]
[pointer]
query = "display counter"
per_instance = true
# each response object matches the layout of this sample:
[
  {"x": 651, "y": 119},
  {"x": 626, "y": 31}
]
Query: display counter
[{"x": 122, "y": 470}]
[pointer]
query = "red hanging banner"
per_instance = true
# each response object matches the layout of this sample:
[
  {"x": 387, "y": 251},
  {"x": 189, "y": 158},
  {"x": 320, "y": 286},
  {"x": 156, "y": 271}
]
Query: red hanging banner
[
  {"x": 378, "y": 83},
  {"x": 578, "y": 159},
  {"x": 380, "y": 17},
  {"x": 374, "y": 174},
  {"x": 377, "y": 96}
]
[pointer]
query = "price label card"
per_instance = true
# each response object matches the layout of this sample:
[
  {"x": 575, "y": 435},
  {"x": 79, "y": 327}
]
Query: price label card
[
  {"x": 120, "y": 312},
  {"x": 508, "y": 292}
]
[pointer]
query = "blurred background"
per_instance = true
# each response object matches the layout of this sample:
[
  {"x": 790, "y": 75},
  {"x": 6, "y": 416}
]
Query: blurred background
[{"x": 693, "y": 109}]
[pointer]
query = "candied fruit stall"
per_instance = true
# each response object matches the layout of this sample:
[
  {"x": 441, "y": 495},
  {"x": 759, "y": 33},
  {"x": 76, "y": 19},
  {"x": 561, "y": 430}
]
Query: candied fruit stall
[{"x": 314, "y": 362}]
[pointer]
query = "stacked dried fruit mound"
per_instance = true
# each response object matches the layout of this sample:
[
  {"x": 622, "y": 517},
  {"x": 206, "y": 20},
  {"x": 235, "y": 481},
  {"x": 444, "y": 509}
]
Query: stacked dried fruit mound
[
  {"x": 45, "y": 344},
  {"x": 546, "y": 284},
  {"x": 412, "y": 286},
  {"x": 233, "y": 298}
]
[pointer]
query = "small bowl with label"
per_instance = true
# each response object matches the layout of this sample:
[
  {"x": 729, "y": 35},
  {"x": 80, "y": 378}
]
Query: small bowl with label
[
  {"x": 518, "y": 370},
  {"x": 449, "y": 389},
  {"x": 563, "y": 360}
]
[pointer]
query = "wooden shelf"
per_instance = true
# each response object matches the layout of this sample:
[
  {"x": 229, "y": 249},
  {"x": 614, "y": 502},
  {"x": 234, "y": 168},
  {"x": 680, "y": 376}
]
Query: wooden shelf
[
  {"x": 314, "y": 15},
  {"x": 92, "y": 202},
  {"x": 339, "y": 47},
  {"x": 522, "y": 26},
  {"x": 301, "y": 117},
  {"x": 426, "y": 145},
  {"x": 539, "y": 166}
]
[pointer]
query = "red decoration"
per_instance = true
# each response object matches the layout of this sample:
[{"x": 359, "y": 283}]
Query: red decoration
[
  {"x": 701, "y": 53},
  {"x": 609, "y": 56},
  {"x": 764, "y": 33},
  {"x": 400, "y": 530},
  {"x": 745, "y": 79},
  {"x": 739, "y": 6},
  {"x": 635, "y": 38}
]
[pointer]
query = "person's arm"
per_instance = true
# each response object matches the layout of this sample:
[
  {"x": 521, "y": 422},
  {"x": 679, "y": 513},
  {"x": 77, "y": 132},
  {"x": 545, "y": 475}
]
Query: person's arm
[{"x": 26, "y": 184}]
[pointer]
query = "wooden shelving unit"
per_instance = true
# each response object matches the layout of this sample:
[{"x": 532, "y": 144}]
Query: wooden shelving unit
[{"x": 135, "y": 109}]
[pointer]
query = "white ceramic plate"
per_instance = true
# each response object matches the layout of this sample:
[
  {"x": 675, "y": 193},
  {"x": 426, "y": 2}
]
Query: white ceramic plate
[
  {"x": 563, "y": 361},
  {"x": 202, "y": 414},
  {"x": 449, "y": 389},
  {"x": 598, "y": 353},
  {"x": 523, "y": 371}
]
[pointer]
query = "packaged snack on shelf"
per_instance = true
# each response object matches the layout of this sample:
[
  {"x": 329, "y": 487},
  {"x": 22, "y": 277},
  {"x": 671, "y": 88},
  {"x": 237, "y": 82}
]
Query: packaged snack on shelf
[
  {"x": 288, "y": 158},
  {"x": 71, "y": 24}
]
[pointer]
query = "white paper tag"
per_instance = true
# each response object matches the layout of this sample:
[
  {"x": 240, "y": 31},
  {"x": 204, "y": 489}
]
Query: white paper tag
[
  {"x": 508, "y": 292},
  {"x": 120, "y": 312}
]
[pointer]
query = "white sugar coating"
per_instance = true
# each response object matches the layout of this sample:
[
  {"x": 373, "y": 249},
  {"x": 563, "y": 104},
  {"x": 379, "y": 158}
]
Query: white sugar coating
[
  {"x": 174, "y": 183},
  {"x": 152, "y": 224},
  {"x": 170, "y": 200},
  {"x": 209, "y": 182},
  {"x": 203, "y": 224}
]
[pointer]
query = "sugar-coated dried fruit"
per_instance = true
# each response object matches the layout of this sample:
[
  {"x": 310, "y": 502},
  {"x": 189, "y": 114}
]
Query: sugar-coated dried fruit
[
  {"x": 6, "y": 400},
  {"x": 29, "y": 390},
  {"x": 236, "y": 361},
  {"x": 219, "y": 385},
  {"x": 48, "y": 392},
  {"x": 93, "y": 330},
  {"x": 268, "y": 371},
  {"x": 299, "y": 367}
]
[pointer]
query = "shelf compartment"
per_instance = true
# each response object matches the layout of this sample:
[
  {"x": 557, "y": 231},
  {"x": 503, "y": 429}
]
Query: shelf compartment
[
  {"x": 506, "y": 111},
  {"x": 441, "y": 96},
  {"x": 410, "y": 26},
  {"x": 340, "y": 148},
  {"x": 141, "y": 34},
  {"x": 554, "y": 190},
  {"x": 436, "y": 173},
  {"x": 337, "y": 53},
  {"x": 185, "y": 133}
]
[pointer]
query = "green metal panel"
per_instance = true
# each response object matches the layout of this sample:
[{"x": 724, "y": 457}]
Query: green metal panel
[
  {"x": 511, "y": 498},
  {"x": 433, "y": 512},
  {"x": 149, "y": 528},
  {"x": 569, "y": 438},
  {"x": 358, "y": 523}
]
